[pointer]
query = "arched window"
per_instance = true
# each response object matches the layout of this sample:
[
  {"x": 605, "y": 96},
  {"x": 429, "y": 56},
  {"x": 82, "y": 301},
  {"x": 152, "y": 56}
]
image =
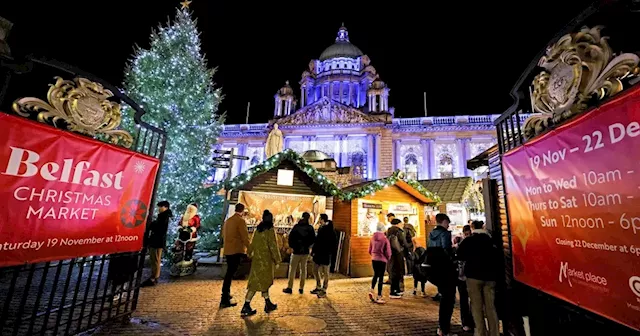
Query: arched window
[
  {"x": 445, "y": 166},
  {"x": 359, "y": 165},
  {"x": 411, "y": 166}
]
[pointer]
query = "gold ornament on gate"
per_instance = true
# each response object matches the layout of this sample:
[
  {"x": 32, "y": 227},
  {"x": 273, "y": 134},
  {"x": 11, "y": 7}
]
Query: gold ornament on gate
[
  {"x": 80, "y": 106},
  {"x": 577, "y": 68}
]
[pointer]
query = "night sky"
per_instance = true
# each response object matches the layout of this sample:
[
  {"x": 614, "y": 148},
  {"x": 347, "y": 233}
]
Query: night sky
[{"x": 465, "y": 56}]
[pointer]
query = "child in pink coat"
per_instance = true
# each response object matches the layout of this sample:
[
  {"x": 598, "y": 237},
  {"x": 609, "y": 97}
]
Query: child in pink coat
[{"x": 380, "y": 251}]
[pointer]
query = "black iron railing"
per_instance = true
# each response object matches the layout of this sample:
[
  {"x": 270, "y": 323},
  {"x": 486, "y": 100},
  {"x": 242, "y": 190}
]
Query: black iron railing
[{"x": 67, "y": 297}]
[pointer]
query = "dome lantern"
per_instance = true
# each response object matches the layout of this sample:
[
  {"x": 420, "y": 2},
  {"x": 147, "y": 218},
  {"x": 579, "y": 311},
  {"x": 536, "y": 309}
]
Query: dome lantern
[{"x": 342, "y": 47}]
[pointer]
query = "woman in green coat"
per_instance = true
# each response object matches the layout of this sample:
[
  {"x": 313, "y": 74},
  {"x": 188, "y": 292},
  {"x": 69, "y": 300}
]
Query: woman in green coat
[{"x": 265, "y": 258}]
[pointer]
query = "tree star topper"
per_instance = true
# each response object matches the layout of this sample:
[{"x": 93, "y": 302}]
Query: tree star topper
[{"x": 185, "y": 4}]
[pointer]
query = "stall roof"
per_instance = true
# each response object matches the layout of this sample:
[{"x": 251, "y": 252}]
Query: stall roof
[
  {"x": 450, "y": 190},
  {"x": 481, "y": 159},
  {"x": 413, "y": 188},
  {"x": 316, "y": 177}
]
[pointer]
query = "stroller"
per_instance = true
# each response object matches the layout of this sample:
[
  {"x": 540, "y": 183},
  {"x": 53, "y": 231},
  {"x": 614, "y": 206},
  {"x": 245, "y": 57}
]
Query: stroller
[{"x": 183, "y": 263}]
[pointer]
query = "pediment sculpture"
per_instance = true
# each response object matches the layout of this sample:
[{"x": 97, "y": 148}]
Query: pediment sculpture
[
  {"x": 578, "y": 68},
  {"x": 326, "y": 111}
]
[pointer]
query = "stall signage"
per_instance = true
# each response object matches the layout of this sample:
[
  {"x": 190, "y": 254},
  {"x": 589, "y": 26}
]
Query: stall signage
[
  {"x": 573, "y": 205},
  {"x": 65, "y": 195},
  {"x": 372, "y": 206},
  {"x": 401, "y": 208}
]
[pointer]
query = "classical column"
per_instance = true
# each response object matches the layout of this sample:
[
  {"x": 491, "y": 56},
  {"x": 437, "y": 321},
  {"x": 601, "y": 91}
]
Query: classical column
[
  {"x": 340, "y": 91},
  {"x": 312, "y": 142},
  {"x": 358, "y": 95},
  {"x": 431, "y": 147},
  {"x": 344, "y": 151},
  {"x": 337, "y": 149},
  {"x": 331, "y": 90},
  {"x": 376, "y": 158},
  {"x": 461, "y": 145},
  {"x": 396, "y": 154},
  {"x": 350, "y": 94},
  {"x": 303, "y": 95},
  {"x": 424, "y": 171},
  {"x": 370, "y": 153},
  {"x": 305, "y": 143}
]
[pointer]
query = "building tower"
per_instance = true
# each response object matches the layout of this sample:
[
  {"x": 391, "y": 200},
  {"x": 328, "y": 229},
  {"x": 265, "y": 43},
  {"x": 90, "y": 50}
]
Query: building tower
[
  {"x": 378, "y": 97},
  {"x": 342, "y": 74},
  {"x": 285, "y": 101}
]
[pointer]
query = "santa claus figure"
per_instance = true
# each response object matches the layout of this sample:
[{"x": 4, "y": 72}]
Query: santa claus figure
[{"x": 186, "y": 242}]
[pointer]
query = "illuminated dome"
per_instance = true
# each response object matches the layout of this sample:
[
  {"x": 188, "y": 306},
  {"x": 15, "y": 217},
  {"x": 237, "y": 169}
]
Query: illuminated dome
[
  {"x": 342, "y": 47},
  {"x": 315, "y": 155}
]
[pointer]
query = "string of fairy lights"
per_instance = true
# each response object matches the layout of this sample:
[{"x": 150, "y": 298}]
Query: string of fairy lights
[{"x": 325, "y": 183}]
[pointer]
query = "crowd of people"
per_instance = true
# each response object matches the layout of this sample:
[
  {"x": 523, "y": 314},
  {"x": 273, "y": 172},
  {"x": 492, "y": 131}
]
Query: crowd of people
[
  {"x": 469, "y": 263},
  {"x": 265, "y": 257}
]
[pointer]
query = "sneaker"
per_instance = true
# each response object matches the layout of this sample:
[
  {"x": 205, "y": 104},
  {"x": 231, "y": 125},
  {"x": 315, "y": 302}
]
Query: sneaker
[
  {"x": 301, "y": 291},
  {"x": 269, "y": 306},
  {"x": 371, "y": 297},
  {"x": 415, "y": 293},
  {"x": 395, "y": 296},
  {"x": 380, "y": 301},
  {"x": 287, "y": 291},
  {"x": 227, "y": 304},
  {"x": 322, "y": 294},
  {"x": 315, "y": 291},
  {"x": 437, "y": 297},
  {"x": 401, "y": 293},
  {"x": 247, "y": 311}
]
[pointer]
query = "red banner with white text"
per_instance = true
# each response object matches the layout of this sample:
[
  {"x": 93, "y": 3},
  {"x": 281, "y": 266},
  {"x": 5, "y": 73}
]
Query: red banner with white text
[
  {"x": 64, "y": 195},
  {"x": 574, "y": 209}
]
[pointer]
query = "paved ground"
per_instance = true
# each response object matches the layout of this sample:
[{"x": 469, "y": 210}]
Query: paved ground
[{"x": 190, "y": 307}]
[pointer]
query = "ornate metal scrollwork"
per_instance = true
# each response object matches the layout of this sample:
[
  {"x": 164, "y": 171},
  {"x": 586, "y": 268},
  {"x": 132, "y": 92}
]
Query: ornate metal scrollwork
[
  {"x": 80, "y": 106},
  {"x": 577, "y": 68}
]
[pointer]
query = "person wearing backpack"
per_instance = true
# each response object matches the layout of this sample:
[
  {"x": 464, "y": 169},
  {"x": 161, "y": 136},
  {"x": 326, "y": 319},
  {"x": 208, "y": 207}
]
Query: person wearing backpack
[
  {"x": 443, "y": 272},
  {"x": 396, "y": 235}
]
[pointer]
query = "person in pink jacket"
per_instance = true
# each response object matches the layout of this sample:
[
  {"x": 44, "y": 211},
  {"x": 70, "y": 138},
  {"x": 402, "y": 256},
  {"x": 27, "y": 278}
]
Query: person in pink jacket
[{"x": 380, "y": 251}]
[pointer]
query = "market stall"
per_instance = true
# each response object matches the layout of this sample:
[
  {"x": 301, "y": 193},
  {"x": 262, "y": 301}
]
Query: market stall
[
  {"x": 364, "y": 205},
  {"x": 287, "y": 186},
  {"x": 461, "y": 201}
]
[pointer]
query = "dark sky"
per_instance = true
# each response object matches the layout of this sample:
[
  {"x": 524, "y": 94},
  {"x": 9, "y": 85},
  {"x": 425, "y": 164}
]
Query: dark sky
[{"x": 465, "y": 56}]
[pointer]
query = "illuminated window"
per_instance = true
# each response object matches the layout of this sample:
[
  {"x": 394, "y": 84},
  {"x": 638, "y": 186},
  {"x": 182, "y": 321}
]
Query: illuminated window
[
  {"x": 411, "y": 167},
  {"x": 445, "y": 166}
]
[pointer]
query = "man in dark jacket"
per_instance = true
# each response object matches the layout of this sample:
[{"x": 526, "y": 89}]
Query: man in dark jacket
[
  {"x": 442, "y": 272},
  {"x": 156, "y": 240},
  {"x": 481, "y": 268},
  {"x": 323, "y": 248},
  {"x": 396, "y": 237},
  {"x": 301, "y": 238}
]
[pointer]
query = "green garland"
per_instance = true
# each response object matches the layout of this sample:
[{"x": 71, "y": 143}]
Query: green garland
[
  {"x": 272, "y": 162},
  {"x": 378, "y": 185},
  {"x": 326, "y": 184}
]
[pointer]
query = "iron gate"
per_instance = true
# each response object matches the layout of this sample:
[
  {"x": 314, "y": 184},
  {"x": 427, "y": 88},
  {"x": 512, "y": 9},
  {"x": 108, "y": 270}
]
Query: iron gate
[{"x": 67, "y": 297}]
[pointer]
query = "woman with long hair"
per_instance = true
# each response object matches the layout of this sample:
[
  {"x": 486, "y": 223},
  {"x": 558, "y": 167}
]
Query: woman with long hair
[{"x": 265, "y": 258}]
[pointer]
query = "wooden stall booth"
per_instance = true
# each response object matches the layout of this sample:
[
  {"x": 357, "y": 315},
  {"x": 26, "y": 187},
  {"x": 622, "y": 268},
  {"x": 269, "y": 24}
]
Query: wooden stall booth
[
  {"x": 365, "y": 205},
  {"x": 458, "y": 201},
  {"x": 287, "y": 186}
]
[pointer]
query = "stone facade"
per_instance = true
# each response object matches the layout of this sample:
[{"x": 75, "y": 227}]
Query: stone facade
[{"x": 345, "y": 113}]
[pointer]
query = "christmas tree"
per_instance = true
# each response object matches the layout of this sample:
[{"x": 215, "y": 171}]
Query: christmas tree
[{"x": 172, "y": 82}]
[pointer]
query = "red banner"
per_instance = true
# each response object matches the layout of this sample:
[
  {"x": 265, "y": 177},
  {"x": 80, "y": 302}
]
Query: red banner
[
  {"x": 573, "y": 197},
  {"x": 64, "y": 195}
]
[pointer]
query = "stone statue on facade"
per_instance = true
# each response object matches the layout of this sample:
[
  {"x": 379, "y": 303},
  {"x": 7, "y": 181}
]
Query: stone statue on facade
[{"x": 275, "y": 142}]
